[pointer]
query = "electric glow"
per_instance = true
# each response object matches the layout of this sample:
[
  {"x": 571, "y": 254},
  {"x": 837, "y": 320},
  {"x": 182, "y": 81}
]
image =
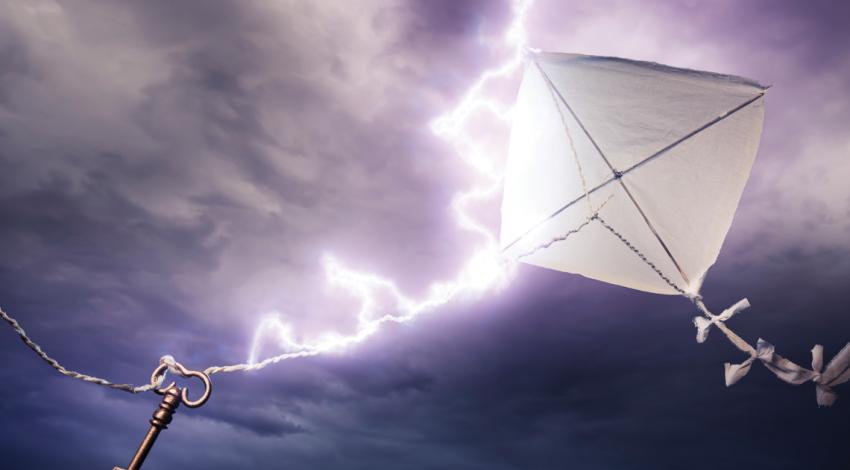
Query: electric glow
[{"x": 485, "y": 269}]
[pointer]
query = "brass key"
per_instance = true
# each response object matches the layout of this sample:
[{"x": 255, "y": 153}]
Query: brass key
[{"x": 172, "y": 397}]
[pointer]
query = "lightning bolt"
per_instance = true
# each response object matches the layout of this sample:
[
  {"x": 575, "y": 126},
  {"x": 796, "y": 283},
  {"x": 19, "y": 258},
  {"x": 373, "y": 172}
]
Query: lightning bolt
[{"x": 484, "y": 270}]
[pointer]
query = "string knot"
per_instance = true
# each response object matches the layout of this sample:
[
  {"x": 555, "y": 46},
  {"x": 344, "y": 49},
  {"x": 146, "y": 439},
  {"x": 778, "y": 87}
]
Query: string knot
[
  {"x": 704, "y": 323},
  {"x": 168, "y": 359}
]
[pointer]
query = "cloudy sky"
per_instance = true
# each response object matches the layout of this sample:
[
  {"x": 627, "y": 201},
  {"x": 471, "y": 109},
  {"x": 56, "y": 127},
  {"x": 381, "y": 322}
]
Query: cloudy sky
[{"x": 173, "y": 171}]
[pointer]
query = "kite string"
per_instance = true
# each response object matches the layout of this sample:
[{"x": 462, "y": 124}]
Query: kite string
[
  {"x": 251, "y": 366},
  {"x": 736, "y": 340},
  {"x": 35, "y": 347},
  {"x": 71, "y": 373},
  {"x": 39, "y": 351},
  {"x": 241, "y": 367},
  {"x": 836, "y": 373},
  {"x": 640, "y": 255},
  {"x": 593, "y": 215}
]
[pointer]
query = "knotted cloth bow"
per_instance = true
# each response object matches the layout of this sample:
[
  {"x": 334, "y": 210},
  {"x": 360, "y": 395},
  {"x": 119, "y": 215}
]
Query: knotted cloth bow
[
  {"x": 703, "y": 324},
  {"x": 836, "y": 373}
]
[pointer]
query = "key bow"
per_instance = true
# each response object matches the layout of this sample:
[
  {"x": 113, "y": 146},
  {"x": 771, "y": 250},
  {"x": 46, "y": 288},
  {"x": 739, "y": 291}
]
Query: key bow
[{"x": 167, "y": 363}]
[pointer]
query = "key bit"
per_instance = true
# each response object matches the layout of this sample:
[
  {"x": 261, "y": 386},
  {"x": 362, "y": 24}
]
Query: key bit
[{"x": 172, "y": 397}]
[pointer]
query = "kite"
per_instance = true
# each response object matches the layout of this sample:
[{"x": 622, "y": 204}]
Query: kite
[{"x": 630, "y": 173}]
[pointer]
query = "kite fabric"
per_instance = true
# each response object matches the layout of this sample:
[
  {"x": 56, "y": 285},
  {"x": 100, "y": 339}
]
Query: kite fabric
[
  {"x": 640, "y": 117},
  {"x": 630, "y": 173}
]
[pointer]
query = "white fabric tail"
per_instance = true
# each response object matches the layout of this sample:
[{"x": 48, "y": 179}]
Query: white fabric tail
[
  {"x": 837, "y": 372},
  {"x": 736, "y": 372},
  {"x": 703, "y": 324}
]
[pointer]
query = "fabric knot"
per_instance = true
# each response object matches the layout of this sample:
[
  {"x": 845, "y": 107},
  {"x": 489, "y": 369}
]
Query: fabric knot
[
  {"x": 836, "y": 373},
  {"x": 735, "y": 372},
  {"x": 171, "y": 362},
  {"x": 693, "y": 297},
  {"x": 704, "y": 323}
]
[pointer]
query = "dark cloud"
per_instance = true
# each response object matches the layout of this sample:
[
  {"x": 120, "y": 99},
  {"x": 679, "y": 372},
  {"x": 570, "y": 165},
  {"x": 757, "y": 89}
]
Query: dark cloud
[{"x": 172, "y": 171}]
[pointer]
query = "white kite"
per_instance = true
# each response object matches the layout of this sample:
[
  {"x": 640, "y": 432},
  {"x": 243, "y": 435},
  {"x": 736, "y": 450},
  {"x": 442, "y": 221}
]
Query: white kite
[{"x": 630, "y": 172}]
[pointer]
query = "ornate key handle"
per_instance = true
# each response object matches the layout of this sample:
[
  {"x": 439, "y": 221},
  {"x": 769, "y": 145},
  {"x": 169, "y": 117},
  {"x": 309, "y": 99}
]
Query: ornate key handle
[
  {"x": 172, "y": 396},
  {"x": 159, "y": 373}
]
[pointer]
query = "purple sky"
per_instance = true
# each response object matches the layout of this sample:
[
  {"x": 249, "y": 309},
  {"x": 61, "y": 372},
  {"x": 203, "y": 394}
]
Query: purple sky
[{"x": 171, "y": 171}]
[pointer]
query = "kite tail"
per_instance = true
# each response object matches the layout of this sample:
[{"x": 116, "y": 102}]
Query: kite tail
[{"x": 836, "y": 372}]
